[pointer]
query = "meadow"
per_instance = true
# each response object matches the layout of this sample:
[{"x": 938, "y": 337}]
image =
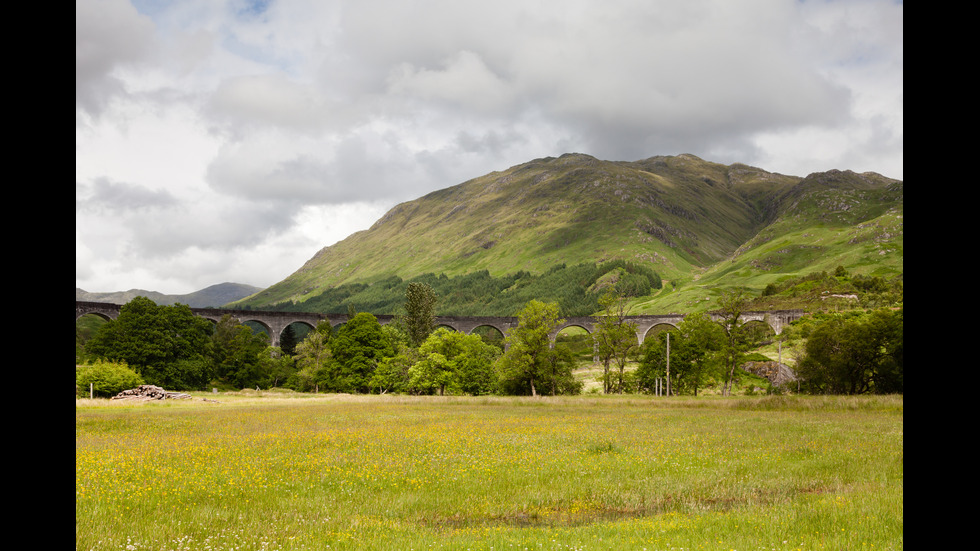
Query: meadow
[{"x": 283, "y": 471}]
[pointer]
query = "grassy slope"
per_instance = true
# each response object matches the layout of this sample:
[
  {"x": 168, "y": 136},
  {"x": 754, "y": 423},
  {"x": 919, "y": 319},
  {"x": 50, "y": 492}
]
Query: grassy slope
[
  {"x": 820, "y": 228},
  {"x": 703, "y": 226}
]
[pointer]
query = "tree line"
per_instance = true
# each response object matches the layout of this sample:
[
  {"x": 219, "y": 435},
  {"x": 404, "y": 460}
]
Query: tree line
[
  {"x": 169, "y": 346},
  {"x": 478, "y": 293},
  {"x": 848, "y": 353}
]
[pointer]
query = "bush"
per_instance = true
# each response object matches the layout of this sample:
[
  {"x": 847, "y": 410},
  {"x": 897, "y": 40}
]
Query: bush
[
  {"x": 106, "y": 378},
  {"x": 183, "y": 374}
]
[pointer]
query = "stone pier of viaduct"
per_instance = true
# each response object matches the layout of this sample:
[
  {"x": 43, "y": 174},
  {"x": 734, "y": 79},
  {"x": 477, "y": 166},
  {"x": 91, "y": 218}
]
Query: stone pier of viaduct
[{"x": 276, "y": 322}]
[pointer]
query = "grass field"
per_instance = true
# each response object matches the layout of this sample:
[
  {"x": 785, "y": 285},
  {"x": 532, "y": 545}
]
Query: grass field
[{"x": 274, "y": 471}]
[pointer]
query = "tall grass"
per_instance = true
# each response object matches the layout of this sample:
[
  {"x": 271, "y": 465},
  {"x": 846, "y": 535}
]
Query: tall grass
[{"x": 394, "y": 472}]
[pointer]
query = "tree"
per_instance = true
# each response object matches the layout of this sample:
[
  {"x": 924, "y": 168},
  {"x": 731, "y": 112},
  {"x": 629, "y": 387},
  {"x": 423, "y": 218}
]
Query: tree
[
  {"x": 524, "y": 364},
  {"x": 695, "y": 348},
  {"x": 557, "y": 375},
  {"x": 890, "y": 373},
  {"x": 167, "y": 346},
  {"x": 732, "y": 303},
  {"x": 181, "y": 374},
  {"x": 614, "y": 337},
  {"x": 138, "y": 336},
  {"x": 432, "y": 373},
  {"x": 312, "y": 359},
  {"x": 239, "y": 355},
  {"x": 474, "y": 366},
  {"x": 449, "y": 361},
  {"x": 278, "y": 365},
  {"x": 855, "y": 354},
  {"x": 698, "y": 352},
  {"x": 392, "y": 373},
  {"x": 357, "y": 349},
  {"x": 287, "y": 341},
  {"x": 420, "y": 302},
  {"x": 653, "y": 360}
]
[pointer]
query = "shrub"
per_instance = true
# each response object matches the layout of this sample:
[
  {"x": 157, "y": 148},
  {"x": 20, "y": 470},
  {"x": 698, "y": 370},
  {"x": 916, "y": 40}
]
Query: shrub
[{"x": 106, "y": 378}]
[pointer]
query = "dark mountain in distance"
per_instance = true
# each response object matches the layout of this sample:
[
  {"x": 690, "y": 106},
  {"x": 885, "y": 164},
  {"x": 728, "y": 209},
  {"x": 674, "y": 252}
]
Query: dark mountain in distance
[{"x": 210, "y": 297}]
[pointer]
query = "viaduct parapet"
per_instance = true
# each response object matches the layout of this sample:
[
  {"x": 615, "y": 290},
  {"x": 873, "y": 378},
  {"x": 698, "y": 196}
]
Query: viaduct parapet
[{"x": 276, "y": 322}]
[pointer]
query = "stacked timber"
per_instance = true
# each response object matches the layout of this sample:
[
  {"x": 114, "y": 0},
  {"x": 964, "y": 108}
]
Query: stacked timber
[{"x": 150, "y": 392}]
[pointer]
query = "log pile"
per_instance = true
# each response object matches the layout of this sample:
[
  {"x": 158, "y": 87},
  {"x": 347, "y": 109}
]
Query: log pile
[
  {"x": 150, "y": 392},
  {"x": 777, "y": 373}
]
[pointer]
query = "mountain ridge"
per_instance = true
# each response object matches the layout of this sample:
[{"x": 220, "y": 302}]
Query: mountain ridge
[
  {"x": 682, "y": 216},
  {"x": 212, "y": 296},
  {"x": 702, "y": 226}
]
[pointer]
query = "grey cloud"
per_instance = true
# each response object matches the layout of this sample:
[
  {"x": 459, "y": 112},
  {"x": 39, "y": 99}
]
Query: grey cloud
[
  {"x": 270, "y": 101},
  {"x": 108, "y": 34},
  {"x": 350, "y": 173},
  {"x": 104, "y": 194},
  {"x": 647, "y": 74},
  {"x": 157, "y": 224},
  {"x": 622, "y": 80},
  {"x": 491, "y": 142},
  {"x": 231, "y": 226},
  {"x": 295, "y": 178},
  {"x": 463, "y": 80}
]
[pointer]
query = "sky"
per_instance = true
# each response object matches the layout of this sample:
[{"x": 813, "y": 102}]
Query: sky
[{"x": 230, "y": 140}]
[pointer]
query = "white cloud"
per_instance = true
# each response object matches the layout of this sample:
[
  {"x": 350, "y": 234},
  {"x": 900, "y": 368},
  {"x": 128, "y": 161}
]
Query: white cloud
[
  {"x": 463, "y": 80},
  {"x": 212, "y": 136}
]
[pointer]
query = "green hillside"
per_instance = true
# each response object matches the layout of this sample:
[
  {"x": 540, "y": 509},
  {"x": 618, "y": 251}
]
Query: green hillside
[{"x": 698, "y": 225}]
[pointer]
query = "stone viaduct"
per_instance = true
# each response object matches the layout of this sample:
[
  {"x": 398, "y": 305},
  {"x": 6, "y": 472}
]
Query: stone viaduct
[{"x": 275, "y": 322}]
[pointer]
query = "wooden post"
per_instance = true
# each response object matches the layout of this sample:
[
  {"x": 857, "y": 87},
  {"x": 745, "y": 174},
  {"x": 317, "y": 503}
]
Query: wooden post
[
  {"x": 668, "y": 364},
  {"x": 91, "y": 390}
]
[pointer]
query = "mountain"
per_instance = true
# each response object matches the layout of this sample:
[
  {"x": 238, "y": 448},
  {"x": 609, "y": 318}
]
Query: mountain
[
  {"x": 698, "y": 224},
  {"x": 213, "y": 296}
]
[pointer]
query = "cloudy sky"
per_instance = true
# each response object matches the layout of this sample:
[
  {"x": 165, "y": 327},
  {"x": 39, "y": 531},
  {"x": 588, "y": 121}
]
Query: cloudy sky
[{"x": 229, "y": 140}]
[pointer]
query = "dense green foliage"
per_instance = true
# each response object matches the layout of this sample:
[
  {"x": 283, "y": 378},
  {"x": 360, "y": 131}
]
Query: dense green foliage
[
  {"x": 831, "y": 290},
  {"x": 452, "y": 362},
  {"x": 736, "y": 343},
  {"x": 852, "y": 351},
  {"x": 288, "y": 341},
  {"x": 573, "y": 288},
  {"x": 170, "y": 347},
  {"x": 695, "y": 358},
  {"x": 855, "y": 353},
  {"x": 239, "y": 354},
  {"x": 158, "y": 342},
  {"x": 105, "y": 379},
  {"x": 529, "y": 362},
  {"x": 420, "y": 304},
  {"x": 614, "y": 339},
  {"x": 357, "y": 348},
  {"x": 311, "y": 360}
]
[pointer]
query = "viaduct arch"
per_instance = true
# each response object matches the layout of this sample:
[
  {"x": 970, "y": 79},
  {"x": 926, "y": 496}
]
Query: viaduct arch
[{"x": 276, "y": 322}]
